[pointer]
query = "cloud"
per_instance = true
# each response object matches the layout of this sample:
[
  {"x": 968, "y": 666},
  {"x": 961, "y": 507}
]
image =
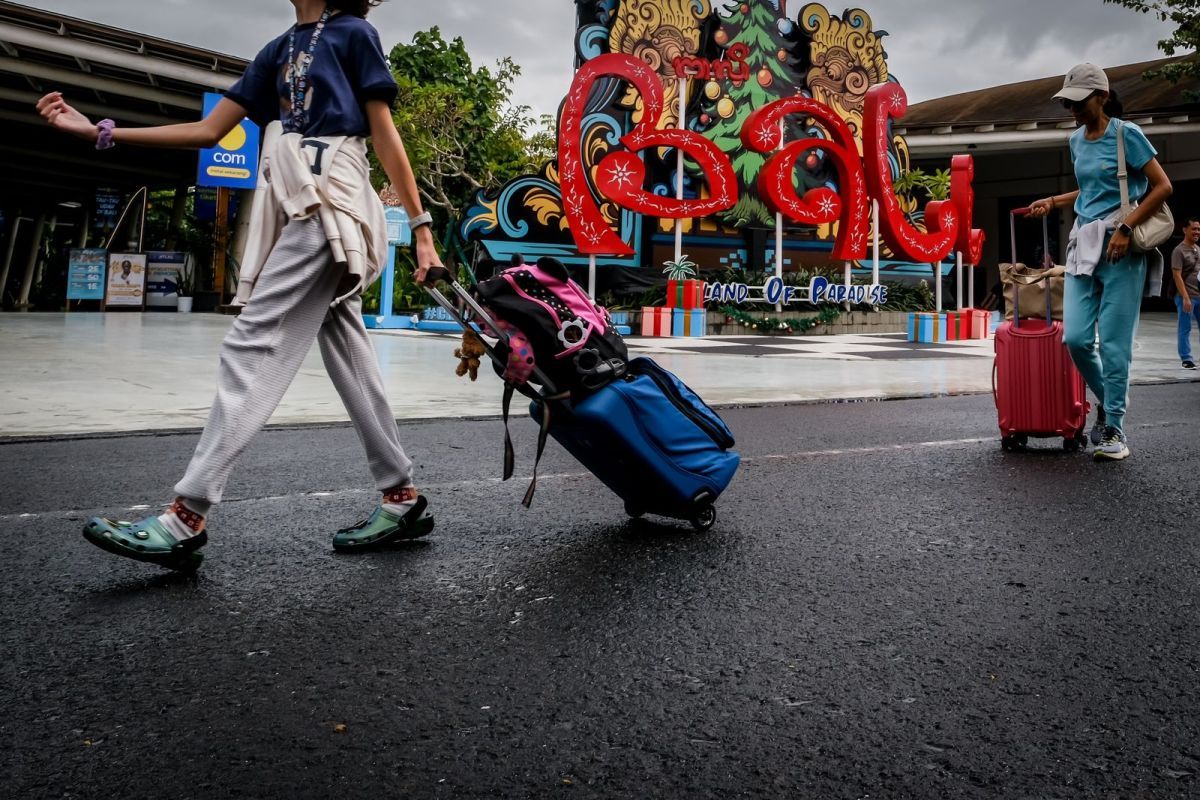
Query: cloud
[{"x": 935, "y": 47}]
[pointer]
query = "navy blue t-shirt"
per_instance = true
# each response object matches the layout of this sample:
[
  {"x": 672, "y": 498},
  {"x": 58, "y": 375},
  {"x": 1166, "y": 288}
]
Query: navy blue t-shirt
[{"x": 347, "y": 70}]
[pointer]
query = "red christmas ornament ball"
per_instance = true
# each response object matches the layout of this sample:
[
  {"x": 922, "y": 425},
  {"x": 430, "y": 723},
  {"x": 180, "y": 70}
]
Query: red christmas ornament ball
[
  {"x": 721, "y": 37},
  {"x": 782, "y": 55},
  {"x": 812, "y": 162},
  {"x": 745, "y": 8},
  {"x": 765, "y": 78},
  {"x": 705, "y": 119}
]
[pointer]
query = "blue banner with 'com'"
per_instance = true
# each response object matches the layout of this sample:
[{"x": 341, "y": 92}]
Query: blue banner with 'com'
[{"x": 233, "y": 163}]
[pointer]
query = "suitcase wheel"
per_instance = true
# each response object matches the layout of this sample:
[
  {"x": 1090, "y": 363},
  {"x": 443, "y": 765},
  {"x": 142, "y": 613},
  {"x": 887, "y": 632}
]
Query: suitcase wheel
[
  {"x": 634, "y": 511},
  {"x": 1014, "y": 443},
  {"x": 1076, "y": 443},
  {"x": 704, "y": 517}
]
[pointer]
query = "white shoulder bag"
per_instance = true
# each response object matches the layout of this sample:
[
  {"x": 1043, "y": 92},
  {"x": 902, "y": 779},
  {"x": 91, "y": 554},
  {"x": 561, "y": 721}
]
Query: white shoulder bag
[{"x": 1152, "y": 232}]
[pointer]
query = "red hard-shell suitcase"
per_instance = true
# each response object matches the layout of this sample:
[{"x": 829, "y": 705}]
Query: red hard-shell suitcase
[{"x": 1038, "y": 390}]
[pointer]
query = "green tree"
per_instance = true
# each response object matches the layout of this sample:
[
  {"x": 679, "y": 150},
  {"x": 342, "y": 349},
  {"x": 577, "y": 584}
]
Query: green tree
[
  {"x": 936, "y": 186},
  {"x": 1185, "y": 16},
  {"x": 461, "y": 132},
  {"x": 755, "y": 25}
]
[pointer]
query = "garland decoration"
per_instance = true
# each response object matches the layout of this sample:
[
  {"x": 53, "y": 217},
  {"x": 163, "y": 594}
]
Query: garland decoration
[{"x": 826, "y": 316}]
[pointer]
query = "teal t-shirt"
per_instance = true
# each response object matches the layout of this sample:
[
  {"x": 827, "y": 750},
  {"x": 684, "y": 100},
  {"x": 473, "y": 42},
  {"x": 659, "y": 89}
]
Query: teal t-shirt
[{"x": 1096, "y": 169}]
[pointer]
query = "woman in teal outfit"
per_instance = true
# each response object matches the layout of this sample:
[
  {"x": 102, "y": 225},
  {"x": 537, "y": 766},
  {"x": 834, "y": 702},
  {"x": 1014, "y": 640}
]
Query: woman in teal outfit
[{"x": 1106, "y": 276}]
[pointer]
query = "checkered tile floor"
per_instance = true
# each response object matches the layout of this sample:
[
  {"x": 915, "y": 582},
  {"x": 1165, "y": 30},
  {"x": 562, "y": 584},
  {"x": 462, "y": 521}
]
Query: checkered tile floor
[{"x": 848, "y": 347}]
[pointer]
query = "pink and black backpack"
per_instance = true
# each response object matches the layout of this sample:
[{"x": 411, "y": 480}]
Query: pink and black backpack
[{"x": 551, "y": 322}]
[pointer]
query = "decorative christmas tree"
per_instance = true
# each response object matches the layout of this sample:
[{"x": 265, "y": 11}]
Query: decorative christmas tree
[{"x": 761, "y": 27}]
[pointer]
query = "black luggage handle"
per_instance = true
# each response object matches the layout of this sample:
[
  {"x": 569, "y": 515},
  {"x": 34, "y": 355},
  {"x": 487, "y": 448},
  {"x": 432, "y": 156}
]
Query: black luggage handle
[
  {"x": 436, "y": 275},
  {"x": 1012, "y": 224},
  {"x": 441, "y": 274}
]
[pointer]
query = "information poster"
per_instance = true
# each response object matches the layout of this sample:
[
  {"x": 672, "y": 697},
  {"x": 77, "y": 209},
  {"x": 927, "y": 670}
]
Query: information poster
[
  {"x": 85, "y": 274},
  {"x": 126, "y": 280},
  {"x": 107, "y": 210},
  {"x": 163, "y": 268}
]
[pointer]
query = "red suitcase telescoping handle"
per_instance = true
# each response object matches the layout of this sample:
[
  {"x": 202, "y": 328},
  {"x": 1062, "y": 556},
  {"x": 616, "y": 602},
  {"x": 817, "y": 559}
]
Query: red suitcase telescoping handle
[{"x": 1012, "y": 225}]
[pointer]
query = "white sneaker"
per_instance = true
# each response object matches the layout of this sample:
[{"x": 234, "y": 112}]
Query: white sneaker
[{"x": 1113, "y": 446}]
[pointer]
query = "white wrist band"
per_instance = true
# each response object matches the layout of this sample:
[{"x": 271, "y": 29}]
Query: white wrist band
[{"x": 424, "y": 218}]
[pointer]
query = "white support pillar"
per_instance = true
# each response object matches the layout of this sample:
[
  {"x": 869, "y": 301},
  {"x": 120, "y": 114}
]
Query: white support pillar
[
  {"x": 937, "y": 285},
  {"x": 592, "y": 277},
  {"x": 51, "y": 226},
  {"x": 779, "y": 226},
  {"x": 8, "y": 253},
  {"x": 971, "y": 285},
  {"x": 958, "y": 276},
  {"x": 683, "y": 90},
  {"x": 39, "y": 229},
  {"x": 84, "y": 227},
  {"x": 874, "y": 242}
]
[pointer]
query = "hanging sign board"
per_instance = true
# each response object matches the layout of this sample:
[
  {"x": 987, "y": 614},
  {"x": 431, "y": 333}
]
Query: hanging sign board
[{"x": 233, "y": 163}]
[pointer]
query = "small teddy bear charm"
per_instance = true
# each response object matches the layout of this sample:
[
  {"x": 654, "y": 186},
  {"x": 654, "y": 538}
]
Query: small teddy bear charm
[{"x": 468, "y": 355}]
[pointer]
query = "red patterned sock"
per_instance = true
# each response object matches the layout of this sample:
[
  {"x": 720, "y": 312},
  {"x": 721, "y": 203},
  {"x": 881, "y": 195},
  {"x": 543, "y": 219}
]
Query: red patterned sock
[
  {"x": 400, "y": 499},
  {"x": 181, "y": 521}
]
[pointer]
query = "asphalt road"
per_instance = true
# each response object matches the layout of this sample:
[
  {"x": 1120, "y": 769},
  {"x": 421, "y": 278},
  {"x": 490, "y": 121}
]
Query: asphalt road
[{"x": 887, "y": 607}]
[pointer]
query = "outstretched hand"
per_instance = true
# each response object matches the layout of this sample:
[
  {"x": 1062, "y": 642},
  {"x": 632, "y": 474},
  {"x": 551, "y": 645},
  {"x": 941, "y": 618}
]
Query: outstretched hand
[{"x": 55, "y": 110}]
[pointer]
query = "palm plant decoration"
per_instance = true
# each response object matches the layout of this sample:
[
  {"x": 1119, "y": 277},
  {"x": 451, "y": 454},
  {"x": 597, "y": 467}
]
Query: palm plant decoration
[{"x": 680, "y": 270}]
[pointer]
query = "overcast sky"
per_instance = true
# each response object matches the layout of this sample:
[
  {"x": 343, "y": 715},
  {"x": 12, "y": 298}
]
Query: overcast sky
[{"x": 935, "y": 47}]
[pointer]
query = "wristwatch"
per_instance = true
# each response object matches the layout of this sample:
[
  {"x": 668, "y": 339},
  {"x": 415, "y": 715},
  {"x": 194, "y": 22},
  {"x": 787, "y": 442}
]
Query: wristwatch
[
  {"x": 424, "y": 218},
  {"x": 1125, "y": 229}
]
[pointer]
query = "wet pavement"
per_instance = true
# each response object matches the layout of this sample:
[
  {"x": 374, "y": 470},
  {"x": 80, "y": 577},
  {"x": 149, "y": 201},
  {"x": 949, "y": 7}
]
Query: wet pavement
[
  {"x": 74, "y": 373},
  {"x": 887, "y": 607}
]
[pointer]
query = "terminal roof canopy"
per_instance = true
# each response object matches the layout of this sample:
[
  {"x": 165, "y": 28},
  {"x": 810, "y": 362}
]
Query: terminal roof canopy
[
  {"x": 104, "y": 72},
  {"x": 1017, "y": 115}
]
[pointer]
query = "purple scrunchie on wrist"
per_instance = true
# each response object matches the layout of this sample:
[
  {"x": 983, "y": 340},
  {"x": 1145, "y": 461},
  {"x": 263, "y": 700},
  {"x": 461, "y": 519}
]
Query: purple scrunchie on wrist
[{"x": 104, "y": 137}]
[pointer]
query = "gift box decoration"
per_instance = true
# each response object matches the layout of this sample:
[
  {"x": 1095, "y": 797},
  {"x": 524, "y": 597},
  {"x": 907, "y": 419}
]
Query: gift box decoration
[
  {"x": 977, "y": 323},
  {"x": 656, "y": 321},
  {"x": 953, "y": 327},
  {"x": 926, "y": 327},
  {"x": 689, "y": 322},
  {"x": 686, "y": 294}
]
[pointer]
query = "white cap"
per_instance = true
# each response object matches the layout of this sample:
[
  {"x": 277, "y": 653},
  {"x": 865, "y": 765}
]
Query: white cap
[{"x": 1081, "y": 81}]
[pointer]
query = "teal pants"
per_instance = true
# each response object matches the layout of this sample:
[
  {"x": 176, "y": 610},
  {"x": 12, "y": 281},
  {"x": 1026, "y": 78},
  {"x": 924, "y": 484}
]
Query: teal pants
[{"x": 1108, "y": 301}]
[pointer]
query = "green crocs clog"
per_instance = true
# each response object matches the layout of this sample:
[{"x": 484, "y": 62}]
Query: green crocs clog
[
  {"x": 147, "y": 541},
  {"x": 383, "y": 528}
]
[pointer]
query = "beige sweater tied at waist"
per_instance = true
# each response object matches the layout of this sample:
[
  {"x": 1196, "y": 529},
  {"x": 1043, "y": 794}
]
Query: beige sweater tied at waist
[{"x": 329, "y": 176}]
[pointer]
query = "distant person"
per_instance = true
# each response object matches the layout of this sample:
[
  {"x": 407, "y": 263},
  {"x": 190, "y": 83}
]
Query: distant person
[
  {"x": 319, "y": 242},
  {"x": 1105, "y": 277},
  {"x": 1185, "y": 266},
  {"x": 126, "y": 275}
]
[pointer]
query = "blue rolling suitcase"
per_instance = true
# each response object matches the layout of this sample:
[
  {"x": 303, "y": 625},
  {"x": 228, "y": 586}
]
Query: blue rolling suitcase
[
  {"x": 645, "y": 435},
  {"x": 651, "y": 440}
]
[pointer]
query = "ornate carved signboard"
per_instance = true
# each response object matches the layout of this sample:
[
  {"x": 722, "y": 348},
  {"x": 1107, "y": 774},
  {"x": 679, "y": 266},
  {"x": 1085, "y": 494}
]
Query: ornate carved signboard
[{"x": 783, "y": 117}]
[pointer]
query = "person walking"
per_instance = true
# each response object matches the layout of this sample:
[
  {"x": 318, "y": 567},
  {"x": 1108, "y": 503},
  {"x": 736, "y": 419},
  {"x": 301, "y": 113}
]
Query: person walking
[
  {"x": 1185, "y": 268},
  {"x": 1106, "y": 277},
  {"x": 318, "y": 240}
]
